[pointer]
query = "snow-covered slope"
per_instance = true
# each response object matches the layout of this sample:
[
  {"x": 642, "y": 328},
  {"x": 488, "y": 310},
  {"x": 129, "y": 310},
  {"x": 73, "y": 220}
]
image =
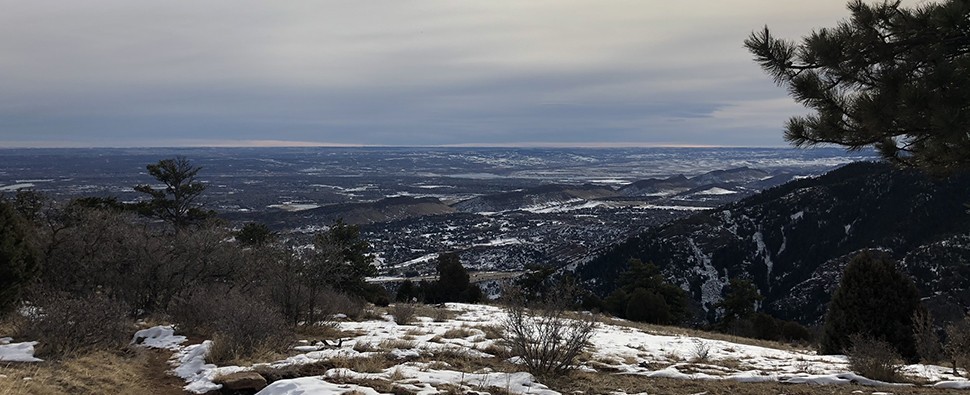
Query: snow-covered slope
[{"x": 420, "y": 351}]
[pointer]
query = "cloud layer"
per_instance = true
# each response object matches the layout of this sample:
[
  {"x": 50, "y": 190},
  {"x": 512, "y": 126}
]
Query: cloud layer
[{"x": 132, "y": 73}]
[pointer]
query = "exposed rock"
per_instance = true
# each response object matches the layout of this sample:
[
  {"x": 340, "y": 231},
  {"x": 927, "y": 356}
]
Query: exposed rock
[{"x": 242, "y": 381}]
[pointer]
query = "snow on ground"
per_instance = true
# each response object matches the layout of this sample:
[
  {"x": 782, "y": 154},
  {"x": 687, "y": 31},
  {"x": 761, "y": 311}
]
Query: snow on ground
[
  {"x": 17, "y": 352},
  {"x": 715, "y": 191},
  {"x": 290, "y": 206},
  {"x": 158, "y": 337},
  {"x": 616, "y": 347}
]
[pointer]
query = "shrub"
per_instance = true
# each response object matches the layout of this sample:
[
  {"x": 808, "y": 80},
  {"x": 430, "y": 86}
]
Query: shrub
[
  {"x": 332, "y": 302},
  {"x": 795, "y": 332},
  {"x": 18, "y": 258},
  {"x": 66, "y": 326},
  {"x": 546, "y": 340},
  {"x": 403, "y": 313},
  {"x": 240, "y": 326},
  {"x": 873, "y": 358},
  {"x": 927, "y": 341},
  {"x": 957, "y": 347},
  {"x": 647, "y": 306}
]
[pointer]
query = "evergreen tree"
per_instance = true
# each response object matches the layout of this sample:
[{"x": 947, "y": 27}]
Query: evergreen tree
[
  {"x": 453, "y": 283},
  {"x": 407, "y": 292},
  {"x": 894, "y": 78},
  {"x": 645, "y": 282},
  {"x": 353, "y": 264},
  {"x": 176, "y": 202},
  {"x": 255, "y": 235},
  {"x": 739, "y": 302},
  {"x": 873, "y": 299},
  {"x": 647, "y": 306},
  {"x": 19, "y": 262}
]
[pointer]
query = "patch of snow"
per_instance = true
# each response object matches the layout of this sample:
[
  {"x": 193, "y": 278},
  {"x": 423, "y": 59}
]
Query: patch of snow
[
  {"x": 17, "y": 352},
  {"x": 716, "y": 191},
  {"x": 190, "y": 366},
  {"x": 158, "y": 337},
  {"x": 500, "y": 242},
  {"x": 675, "y": 208},
  {"x": 422, "y": 259},
  {"x": 287, "y": 206},
  {"x": 15, "y": 187},
  {"x": 313, "y": 385}
]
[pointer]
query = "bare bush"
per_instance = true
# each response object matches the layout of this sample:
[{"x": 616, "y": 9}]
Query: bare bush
[
  {"x": 927, "y": 342},
  {"x": 331, "y": 302},
  {"x": 240, "y": 326},
  {"x": 701, "y": 352},
  {"x": 543, "y": 336},
  {"x": 66, "y": 326},
  {"x": 873, "y": 358},
  {"x": 957, "y": 347},
  {"x": 403, "y": 313}
]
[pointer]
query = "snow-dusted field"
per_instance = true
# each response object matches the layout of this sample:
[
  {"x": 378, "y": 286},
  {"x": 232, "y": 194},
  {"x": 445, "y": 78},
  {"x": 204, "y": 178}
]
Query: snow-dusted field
[{"x": 615, "y": 348}]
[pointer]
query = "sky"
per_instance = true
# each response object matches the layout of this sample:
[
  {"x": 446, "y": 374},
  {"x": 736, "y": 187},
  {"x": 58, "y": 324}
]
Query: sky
[{"x": 123, "y": 73}]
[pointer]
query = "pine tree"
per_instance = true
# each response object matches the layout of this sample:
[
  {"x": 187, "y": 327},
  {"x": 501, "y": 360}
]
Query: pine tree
[
  {"x": 19, "y": 262},
  {"x": 176, "y": 202},
  {"x": 894, "y": 78},
  {"x": 353, "y": 264},
  {"x": 875, "y": 300},
  {"x": 453, "y": 280},
  {"x": 739, "y": 303}
]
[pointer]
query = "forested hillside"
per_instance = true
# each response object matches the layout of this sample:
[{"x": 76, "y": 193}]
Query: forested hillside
[{"x": 793, "y": 240}]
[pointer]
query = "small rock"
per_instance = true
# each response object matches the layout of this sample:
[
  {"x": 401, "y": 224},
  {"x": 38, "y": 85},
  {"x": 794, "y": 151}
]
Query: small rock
[{"x": 242, "y": 381}]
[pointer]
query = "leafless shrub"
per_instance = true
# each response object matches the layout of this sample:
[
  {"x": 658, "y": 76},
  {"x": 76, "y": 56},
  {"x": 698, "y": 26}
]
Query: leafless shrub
[
  {"x": 927, "y": 342},
  {"x": 543, "y": 336},
  {"x": 701, "y": 351},
  {"x": 957, "y": 347},
  {"x": 874, "y": 358},
  {"x": 403, "y": 313},
  {"x": 330, "y": 303},
  {"x": 66, "y": 326},
  {"x": 240, "y": 326}
]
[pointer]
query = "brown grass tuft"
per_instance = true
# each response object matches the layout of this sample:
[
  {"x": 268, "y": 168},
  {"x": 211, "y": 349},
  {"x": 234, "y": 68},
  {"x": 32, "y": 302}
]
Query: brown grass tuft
[{"x": 99, "y": 372}]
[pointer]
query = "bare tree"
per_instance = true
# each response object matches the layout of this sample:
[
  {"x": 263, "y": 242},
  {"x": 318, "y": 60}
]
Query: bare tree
[{"x": 544, "y": 335}]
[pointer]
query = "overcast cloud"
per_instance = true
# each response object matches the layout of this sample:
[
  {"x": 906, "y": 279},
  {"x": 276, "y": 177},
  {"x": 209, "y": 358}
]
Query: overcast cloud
[{"x": 602, "y": 73}]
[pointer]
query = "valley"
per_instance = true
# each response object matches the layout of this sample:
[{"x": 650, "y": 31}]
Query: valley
[{"x": 501, "y": 209}]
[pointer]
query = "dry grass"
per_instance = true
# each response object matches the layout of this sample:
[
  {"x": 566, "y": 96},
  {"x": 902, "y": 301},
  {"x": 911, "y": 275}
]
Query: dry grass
[
  {"x": 605, "y": 383},
  {"x": 364, "y": 347},
  {"x": 493, "y": 332},
  {"x": 457, "y": 359},
  {"x": 95, "y": 373},
  {"x": 416, "y": 332},
  {"x": 374, "y": 364},
  {"x": 459, "y": 333},
  {"x": 390, "y": 344},
  {"x": 436, "y": 313},
  {"x": 223, "y": 352},
  {"x": 12, "y": 325}
]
